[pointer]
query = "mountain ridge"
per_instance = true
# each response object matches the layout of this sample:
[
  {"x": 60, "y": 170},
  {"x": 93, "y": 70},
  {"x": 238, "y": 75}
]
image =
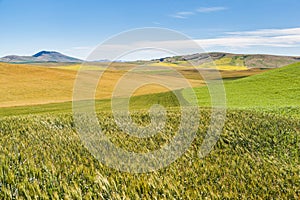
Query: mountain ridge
[
  {"x": 42, "y": 56},
  {"x": 248, "y": 60},
  {"x": 232, "y": 59}
]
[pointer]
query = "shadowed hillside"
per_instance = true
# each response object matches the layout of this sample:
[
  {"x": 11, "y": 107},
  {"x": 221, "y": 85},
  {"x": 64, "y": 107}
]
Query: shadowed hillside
[{"x": 228, "y": 59}]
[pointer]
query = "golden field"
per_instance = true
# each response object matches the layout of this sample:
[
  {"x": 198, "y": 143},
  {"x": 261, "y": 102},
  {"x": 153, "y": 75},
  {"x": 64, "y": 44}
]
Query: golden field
[{"x": 30, "y": 84}]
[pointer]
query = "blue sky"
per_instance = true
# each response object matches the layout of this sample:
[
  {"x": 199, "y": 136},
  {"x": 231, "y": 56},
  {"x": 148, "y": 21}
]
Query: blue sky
[{"x": 76, "y": 27}]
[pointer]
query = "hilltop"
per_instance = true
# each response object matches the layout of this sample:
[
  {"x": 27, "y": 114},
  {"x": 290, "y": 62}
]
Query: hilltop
[{"x": 43, "y": 56}]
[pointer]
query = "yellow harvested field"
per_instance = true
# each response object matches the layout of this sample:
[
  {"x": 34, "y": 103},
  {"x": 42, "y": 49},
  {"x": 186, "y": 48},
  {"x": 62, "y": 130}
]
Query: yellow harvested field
[
  {"x": 231, "y": 67},
  {"x": 221, "y": 64},
  {"x": 77, "y": 67},
  {"x": 223, "y": 61},
  {"x": 163, "y": 64},
  {"x": 22, "y": 84},
  {"x": 174, "y": 65},
  {"x": 96, "y": 66},
  {"x": 225, "y": 64}
]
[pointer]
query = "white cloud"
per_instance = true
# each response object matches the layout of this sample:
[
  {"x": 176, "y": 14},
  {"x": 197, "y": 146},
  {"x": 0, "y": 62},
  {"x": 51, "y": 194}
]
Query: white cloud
[
  {"x": 178, "y": 16},
  {"x": 257, "y": 40},
  {"x": 182, "y": 15},
  {"x": 268, "y": 32},
  {"x": 264, "y": 37},
  {"x": 187, "y": 14},
  {"x": 156, "y": 23},
  {"x": 210, "y": 9}
]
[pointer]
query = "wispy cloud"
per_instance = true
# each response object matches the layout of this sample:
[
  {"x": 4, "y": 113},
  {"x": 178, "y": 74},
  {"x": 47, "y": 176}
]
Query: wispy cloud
[
  {"x": 256, "y": 40},
  {"x": 182, "y": 15},
  {"x": 210, "y": 9},
  {"x": 267, "y": 32},
  {"x": 263, "y": 37},
  {"x": 187, "y": 14},
  {"x": 178, "y": 16},
  {"x": 156, "y": 23}
]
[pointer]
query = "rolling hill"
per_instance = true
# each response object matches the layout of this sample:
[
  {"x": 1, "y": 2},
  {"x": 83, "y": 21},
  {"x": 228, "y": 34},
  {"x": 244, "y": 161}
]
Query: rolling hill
[
  {"x": 27, "y": 84},
  {"x": 276, "y": 90},
  {"x": 272, "y": 90},
  {"x": 228, "y": 59}
]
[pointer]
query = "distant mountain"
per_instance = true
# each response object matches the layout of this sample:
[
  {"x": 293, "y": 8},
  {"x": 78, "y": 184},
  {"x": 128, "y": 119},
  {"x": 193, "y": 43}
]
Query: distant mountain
[
  {"x": 43, "y": 56},
  {"x": 248, "y": 60}
]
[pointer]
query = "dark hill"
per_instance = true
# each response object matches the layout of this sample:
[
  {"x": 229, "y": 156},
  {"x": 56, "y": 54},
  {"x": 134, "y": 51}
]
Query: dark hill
[{"x": 43, "y": 56}]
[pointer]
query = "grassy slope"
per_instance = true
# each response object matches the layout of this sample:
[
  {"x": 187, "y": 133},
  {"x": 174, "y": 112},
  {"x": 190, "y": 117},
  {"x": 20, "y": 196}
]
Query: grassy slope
[
  {"x": 272, "y": 89},
  {"x": 275, "y": 89}
]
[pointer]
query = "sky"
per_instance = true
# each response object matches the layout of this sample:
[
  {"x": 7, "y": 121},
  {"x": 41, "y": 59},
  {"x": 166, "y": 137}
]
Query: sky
[{"x": 75, "y": 28}]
